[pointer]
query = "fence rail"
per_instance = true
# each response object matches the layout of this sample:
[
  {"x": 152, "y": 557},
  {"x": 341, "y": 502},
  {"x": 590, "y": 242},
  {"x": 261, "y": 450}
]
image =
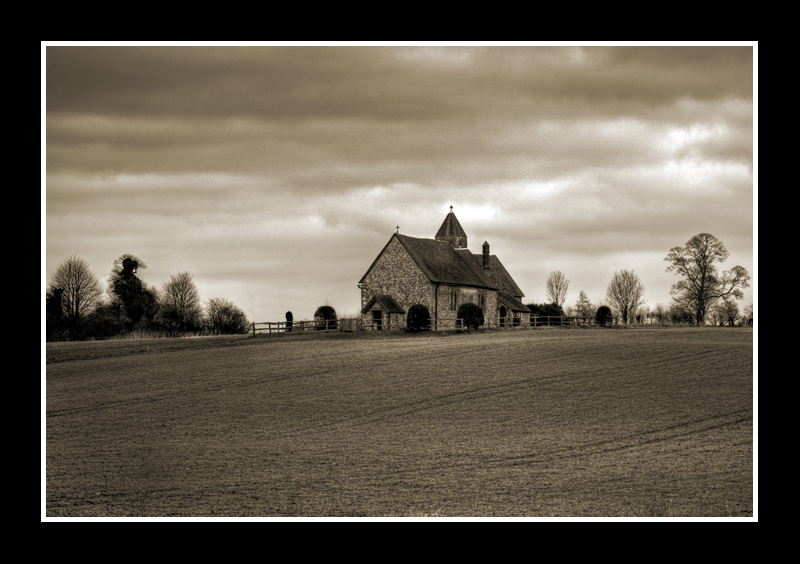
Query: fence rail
[
  {"x": 444, "y": 324},
  {"x": 294, "y": 326}
]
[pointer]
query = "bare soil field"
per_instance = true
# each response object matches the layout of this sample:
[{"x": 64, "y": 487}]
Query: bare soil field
[{"x": 534, "y": 423}]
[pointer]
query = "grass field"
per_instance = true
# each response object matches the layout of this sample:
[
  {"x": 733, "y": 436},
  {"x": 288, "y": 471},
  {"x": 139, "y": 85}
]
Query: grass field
[{"x": 536, "y": 423}]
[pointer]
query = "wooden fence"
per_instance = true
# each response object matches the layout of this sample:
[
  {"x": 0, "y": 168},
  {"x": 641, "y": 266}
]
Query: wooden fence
[
  {"x": 445, "y": 324},
  {"x": 294, "y": 326},
  {"x": 563, "y": 320}
]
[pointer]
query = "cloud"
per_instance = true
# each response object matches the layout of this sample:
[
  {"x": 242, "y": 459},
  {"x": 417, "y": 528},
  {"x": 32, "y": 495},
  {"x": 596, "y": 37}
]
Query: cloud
[
  {"x": 385, "y": 83},
  {"x": 256, "y": 168}
]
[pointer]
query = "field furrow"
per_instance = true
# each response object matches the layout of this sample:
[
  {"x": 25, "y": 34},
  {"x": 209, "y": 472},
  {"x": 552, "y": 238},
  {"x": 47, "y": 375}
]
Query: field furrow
[{"x": 528, "y": 423}]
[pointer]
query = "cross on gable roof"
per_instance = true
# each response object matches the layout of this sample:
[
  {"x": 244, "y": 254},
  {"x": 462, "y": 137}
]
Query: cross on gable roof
[
  {"x": 446, "y": 260},
  {"x": 442, "y": 263}
]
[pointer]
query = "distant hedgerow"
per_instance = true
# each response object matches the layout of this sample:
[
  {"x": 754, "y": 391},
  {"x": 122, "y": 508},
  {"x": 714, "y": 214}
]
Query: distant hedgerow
[{"x": 553, "y": 310}]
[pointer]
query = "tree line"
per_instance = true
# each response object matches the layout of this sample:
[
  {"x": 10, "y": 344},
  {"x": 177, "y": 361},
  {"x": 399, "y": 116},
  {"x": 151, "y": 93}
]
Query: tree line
[
  {"x": 703, "y": 295},
  {"x": 78, "y": 307}
]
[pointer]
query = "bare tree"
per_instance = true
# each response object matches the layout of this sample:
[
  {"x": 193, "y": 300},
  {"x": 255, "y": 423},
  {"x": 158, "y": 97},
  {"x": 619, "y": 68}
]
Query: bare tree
[
  {"x": 748, "y": 314},
  {"x": 181, "y": 301},
  {"x": 702, "y": 286},
  {"x": 625, "y": 293},
  {"x": 661, "y": 313},
  {"x": 224, "y": 318},
  {"x": 556, "y": 288},
  {"x": 714, "y": 314},
  {"x": 80, "y": 290},
  {"x": 583, "y": 307},
  {"x": 729, "y": 312}
]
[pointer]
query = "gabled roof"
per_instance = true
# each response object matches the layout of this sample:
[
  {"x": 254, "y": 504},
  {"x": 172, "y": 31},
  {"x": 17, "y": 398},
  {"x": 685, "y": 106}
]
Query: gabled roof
[
  {"x": 444, "y": 264},
  {"x": 441, "y": 262},
  {"x": 500, "y": 276},
  {"x": 447, "y": 260},
  {"x": 512, "y": 303},
  {"x": 386, "y": 302}
]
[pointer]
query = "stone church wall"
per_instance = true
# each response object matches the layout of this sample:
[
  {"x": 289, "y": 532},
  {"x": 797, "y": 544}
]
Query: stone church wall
[
  {"x": 396, "y": 274},
  {"x": 449, "y": 303}
]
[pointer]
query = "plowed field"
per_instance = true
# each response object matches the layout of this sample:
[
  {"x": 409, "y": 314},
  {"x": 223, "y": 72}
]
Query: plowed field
[{"x": 561, "y": 422}]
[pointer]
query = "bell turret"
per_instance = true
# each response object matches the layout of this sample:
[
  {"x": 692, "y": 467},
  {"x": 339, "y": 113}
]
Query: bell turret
[{"x": 452, "y": 231}]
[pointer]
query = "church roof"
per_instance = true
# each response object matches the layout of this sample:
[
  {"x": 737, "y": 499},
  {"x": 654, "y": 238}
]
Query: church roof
[
  {"x": 500, "y": 276},
  {"x": 450, "y": 228},
  {"x": 442, "y": 263},
  {"x": 512, "y": 303},
  {"x": 446, "y": 260}
]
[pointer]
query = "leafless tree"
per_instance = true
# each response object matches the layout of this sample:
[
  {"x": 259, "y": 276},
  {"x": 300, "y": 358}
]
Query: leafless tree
[
  {"x": 702, "y": 285},
  {"x": 748, "y": 314},
  {"x": 660, "y": 313},
  {"x": 729, "y": 312},
  {"x": 583, "y": 307},
  {"x": 625, "y": 293},
  {"x": 180, "y": 298},
  {"x": 556, "y": 288},
  {"x": 224, "y": 318},
  {"x": 81, "y": 291}
]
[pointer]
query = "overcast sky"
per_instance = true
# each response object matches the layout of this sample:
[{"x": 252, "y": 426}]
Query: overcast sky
[{"x": 276, "y": 174}]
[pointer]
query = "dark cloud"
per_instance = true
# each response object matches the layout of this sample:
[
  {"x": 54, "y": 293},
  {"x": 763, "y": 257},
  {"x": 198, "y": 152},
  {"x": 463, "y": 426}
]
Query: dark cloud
[
  {"x": 270, "y": 83},
  {"x": 255, "y": 168},
  {"x": 383, "y": 83}
]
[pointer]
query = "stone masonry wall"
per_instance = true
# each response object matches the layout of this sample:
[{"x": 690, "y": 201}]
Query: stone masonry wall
[
  {"x": 465, "y": 294},
  {"x": 396, "y": 274}
]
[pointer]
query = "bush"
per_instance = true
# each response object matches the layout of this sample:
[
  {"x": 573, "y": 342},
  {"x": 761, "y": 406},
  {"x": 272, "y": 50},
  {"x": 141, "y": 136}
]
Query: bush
[
  {"x": 224, "y": 318},
  {"x": 168, "y": 321},
  {"x": 603, "y": 316},
  {"x": 55, "y": 323},
  {"x": 323, "y": 314},
  {"x": 553, "y": 310},
  {"x": 107, "y": 321},
  {"x": 470, "y": 315},
  {"x": 419, "y": 318},
  {"x": 545, "y": 310}
]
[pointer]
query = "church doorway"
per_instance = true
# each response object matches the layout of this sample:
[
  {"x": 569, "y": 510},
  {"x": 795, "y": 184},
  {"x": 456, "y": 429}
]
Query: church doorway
[
  {"x": 503, "y": 313},
  {"x": 377, "y": 319}
]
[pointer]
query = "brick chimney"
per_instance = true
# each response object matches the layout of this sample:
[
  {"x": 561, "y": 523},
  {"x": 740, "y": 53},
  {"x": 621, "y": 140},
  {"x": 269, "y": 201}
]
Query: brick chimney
[{"x": 486, "y": 255}]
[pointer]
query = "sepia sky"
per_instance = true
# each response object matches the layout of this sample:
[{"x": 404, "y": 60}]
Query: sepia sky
[{"x": 276, "y": 174}]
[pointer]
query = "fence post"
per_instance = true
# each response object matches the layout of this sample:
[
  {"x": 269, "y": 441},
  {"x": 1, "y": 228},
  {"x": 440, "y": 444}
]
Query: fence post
[{"x": 254, "y": 327}]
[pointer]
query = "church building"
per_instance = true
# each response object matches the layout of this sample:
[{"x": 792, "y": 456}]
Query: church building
[{"x": 440, "y": 274}]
